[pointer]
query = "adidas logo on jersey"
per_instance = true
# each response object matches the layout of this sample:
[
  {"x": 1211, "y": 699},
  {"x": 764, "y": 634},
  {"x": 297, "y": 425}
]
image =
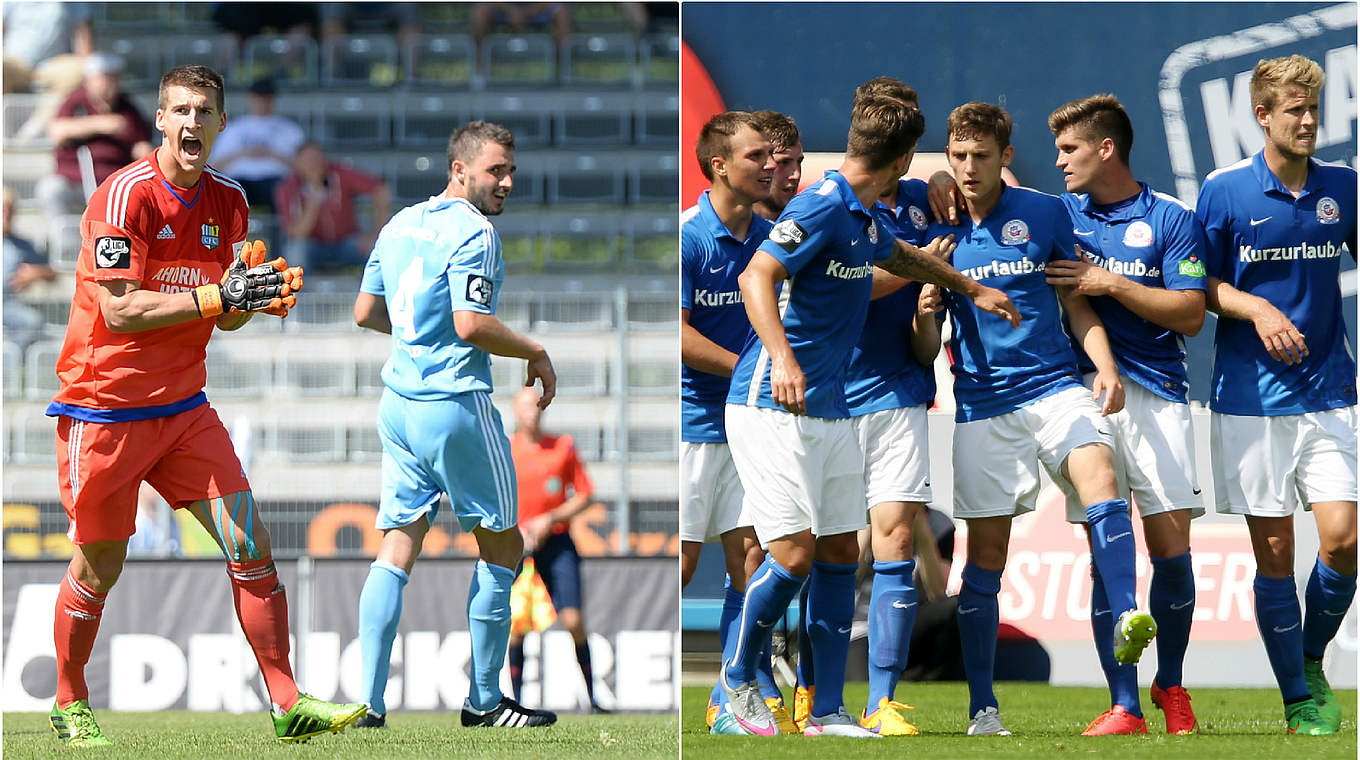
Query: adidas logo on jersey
[{"x": 166, "y": 233}]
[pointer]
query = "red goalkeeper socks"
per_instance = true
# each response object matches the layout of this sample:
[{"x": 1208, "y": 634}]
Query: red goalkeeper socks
[
  {"x": 262, "y": 607},
  {"x": 76, "y": 624}
]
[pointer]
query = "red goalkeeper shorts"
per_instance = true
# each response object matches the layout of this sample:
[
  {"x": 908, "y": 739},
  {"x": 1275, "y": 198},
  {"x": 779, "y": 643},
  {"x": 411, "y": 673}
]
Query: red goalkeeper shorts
[{"x": 186, "y": 457}]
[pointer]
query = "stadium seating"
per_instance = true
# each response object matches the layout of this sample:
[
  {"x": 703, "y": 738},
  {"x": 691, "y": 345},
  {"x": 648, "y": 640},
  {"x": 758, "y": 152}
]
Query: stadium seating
[{"x": 591, "y": 226}]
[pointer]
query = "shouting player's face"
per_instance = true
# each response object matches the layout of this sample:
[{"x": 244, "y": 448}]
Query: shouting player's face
[
  {"x": 977, "y": 163},
  {"x": 750, "y": 169},
  {"x": 487, "y": 179},
  {"x": 190, "y": 122},
  {"x": 788, "y": 172},
  {"x": 1079, "y": 159},
  {"x": 1291, "y": 126}
]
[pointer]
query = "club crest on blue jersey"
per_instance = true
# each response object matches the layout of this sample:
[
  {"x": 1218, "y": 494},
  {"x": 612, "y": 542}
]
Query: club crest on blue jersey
[
  {"x": 788, "y": 235},
  {"x": 1328, "y": 212},
  {"x": 917, "y": 217},
  {"x": 1138, "y": 235},
  {"x": 873, "y": 232},
  {"x": 210, "y": 235},
  {"x": 1015, "y": 232}
]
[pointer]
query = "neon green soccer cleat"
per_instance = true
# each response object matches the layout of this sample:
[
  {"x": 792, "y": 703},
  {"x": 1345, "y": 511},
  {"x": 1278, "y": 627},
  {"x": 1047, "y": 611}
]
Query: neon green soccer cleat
[
  {"x": 1303, "y": 719},
  {"x": 76, "y": 725},
  {"x": 1327, "y": 705},
  {"x": 310, "y": 717},
  {"x": 1132, "y": 633}
]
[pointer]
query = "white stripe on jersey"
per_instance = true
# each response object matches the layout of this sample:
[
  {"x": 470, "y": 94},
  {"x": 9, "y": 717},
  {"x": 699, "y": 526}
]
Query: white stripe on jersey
[
  {"x": 827, "y": 187},
  {"x": 1172, "y": 199},
  {"x": 115, "y": 209},
  {"x": 1229, "y": 168},
  {"x": 228, "y": 181},
  {"x": 763, "y": 358},
  {"x": 502, "y": 470}
]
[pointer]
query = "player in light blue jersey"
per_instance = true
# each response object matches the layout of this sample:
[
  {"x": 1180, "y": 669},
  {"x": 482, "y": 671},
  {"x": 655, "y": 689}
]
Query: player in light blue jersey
[
  {"x": 717, "y": 237},
  {"x": 1021, "y": 402},
  {"x": 433, "y": 281},
  {"x": 1142, "y": 267},
  {"x": 1283, "y": 397},
  {"x": 787, "y": 419}
]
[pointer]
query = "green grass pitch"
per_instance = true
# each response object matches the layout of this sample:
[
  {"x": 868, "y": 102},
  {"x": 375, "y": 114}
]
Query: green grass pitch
[
  {"x": 1047, "y": 721},
  {"x": 205, "y": 736}
]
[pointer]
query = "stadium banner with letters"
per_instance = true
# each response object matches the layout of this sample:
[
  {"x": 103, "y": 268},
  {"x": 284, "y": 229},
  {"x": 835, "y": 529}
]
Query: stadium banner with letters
[
  {"x": 336, "y": 528},
  {"x": 169, "y": 639}
]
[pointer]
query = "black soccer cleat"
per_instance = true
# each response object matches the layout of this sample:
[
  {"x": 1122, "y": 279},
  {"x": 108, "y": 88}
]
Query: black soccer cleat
[
  {"x": 372, "y": 720},
  {"x": 508, "y": 714}
]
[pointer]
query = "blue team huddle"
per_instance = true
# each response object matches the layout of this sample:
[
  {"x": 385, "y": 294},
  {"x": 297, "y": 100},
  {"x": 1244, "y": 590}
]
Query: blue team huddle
[{"x": 808, "y": 341}]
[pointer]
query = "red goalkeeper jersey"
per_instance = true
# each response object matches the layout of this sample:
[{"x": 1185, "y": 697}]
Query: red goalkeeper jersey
[{"x": 139, "y": 226}]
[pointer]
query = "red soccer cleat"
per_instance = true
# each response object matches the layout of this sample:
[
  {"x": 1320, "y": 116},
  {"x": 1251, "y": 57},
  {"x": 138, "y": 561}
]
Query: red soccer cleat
[
  {"x": 1116, "y": 720},
  {"x": 1175, "y": 702}
]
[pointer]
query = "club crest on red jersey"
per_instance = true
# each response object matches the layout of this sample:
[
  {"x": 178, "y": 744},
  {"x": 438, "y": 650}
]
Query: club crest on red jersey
[{"x": 211, "y": 235}]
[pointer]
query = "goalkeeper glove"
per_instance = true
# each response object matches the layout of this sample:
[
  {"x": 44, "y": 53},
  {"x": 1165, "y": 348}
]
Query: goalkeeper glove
[{"x": 252, "y": 284}]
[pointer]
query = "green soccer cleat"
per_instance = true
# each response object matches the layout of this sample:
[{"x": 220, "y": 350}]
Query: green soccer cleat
[
  {"x": 1303, "y": 718},
  {"x": 1327, "y": 705},
  {"x": 1134, "y": 631},
  {"x": 76, "y": 725},
  {"x": 310, "y": 717}
]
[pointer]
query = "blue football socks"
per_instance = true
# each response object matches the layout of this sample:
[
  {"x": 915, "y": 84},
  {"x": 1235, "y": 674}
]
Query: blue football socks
[
  {"x": 1327, "y": 598},
  {"x": 768, "y": 594},
  {"x": 1122, "y": 679},
  {"x": 892, "y": 615},
  {"x": 488, "y": 611},
  {"x": 1171, "y": 600},
  {"x": 1281, "y": 627},
  {"x": 379, "y": 613},
  {"x": 978, "y": 621},
  {"x": 1112, "y": 552},
  {"x": 831, "y": 611}
]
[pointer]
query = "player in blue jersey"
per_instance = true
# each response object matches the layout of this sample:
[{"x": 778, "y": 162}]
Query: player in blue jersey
[
  {"x": 787, "y": 419},
  {"x": 433, "y": 281},
  {"x": 717, "y": 237},
  {"x": 1142, "y": 267},
  {"x": 784, "y": 137},
  {"x": 890, "y": 382},
  {"x": 1020, "y": 400},
  {"x": 1283, "y": 397}
]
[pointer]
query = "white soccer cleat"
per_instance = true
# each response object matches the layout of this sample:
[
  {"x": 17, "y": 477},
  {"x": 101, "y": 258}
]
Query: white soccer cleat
[
  {"x": 987, "y": 722},
  {"x": 839, "y": 723},
  {"x": 747, "y": 706}
]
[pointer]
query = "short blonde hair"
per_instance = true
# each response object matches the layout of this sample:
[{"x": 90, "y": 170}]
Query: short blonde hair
[{"x": 1273, "y": 76}]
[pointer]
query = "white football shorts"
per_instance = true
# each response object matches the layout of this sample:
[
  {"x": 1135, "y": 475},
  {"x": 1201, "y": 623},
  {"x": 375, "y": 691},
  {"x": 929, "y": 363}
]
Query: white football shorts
[
  {"x": 1267, "y": 466},
  {"x": 996, "y": 460},
  {"x": 710, "y": 491},
  {"x": 1154, "y": 454},
  {"x": 896, "y": 450},
  {"x": 797, "y": 472}
]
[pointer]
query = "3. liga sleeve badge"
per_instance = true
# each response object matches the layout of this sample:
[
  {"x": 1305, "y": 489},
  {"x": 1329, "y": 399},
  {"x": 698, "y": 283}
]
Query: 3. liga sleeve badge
[
  {"x": 788, "y": 235},
  {"x": 479, "y": 290},
  {"x": 113, "y": 253}
]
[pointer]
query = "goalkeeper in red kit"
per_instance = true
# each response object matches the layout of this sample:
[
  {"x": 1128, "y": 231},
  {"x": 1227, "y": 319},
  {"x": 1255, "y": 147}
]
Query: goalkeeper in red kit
[{"x": 163, "y": 260}]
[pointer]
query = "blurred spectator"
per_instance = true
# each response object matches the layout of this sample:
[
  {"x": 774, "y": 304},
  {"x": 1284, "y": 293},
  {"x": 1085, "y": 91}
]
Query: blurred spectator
[
  {"x": 258, "y": 148},
  {"x": 316, "y": 211},
  {"x": 157, "y": 531},
  {"x": 521, "y": 17},
  {"x": 245, "y": 20},
  {"x": 98, "y": 125},
  {"x": 358, "y": 18},
  {"x": 23, "y": 266},
  {"x": 648, "y": 18},
  {"x": 44, "y": 46}
]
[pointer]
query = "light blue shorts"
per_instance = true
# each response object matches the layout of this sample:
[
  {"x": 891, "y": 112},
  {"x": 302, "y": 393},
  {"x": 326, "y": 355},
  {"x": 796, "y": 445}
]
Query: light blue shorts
[{"x": 457, "y": 447}]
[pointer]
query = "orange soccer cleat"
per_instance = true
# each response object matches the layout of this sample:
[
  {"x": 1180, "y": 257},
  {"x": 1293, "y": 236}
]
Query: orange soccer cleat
[
  {"x": 1175, "y": 702},
  {"x": 1116, "y": 721}
]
